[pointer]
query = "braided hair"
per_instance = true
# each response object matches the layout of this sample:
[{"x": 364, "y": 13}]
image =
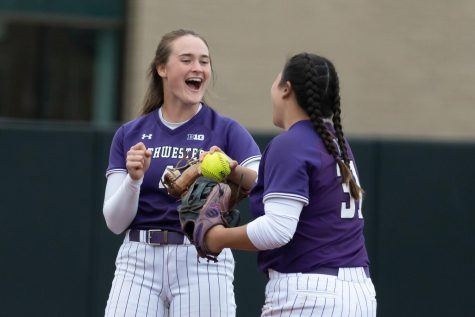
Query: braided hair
[{"x": 317, "y": 90}]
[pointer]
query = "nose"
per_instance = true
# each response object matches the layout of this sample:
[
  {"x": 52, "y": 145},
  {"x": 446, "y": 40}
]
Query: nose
[{"x": 196, "y": 66}]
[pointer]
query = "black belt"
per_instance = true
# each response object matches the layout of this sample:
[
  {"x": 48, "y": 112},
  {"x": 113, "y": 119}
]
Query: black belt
[
  {"x": 334, "y": 271},
  {"x": 156, "y": 236}
]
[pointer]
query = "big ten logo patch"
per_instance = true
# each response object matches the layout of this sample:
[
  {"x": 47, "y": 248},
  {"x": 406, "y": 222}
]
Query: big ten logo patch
[{"x": 196, "y": 137}]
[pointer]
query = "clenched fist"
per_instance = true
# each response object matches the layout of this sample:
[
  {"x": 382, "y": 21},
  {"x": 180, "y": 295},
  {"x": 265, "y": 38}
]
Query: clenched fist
[{"x": 138, "y": 160}]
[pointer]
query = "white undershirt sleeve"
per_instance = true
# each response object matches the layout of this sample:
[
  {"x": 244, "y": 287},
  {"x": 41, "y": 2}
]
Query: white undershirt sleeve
[
  {"x": 121, "y": 201},
  {"x": 253, "y": 165},
  {"x": 277, "y": 226}
]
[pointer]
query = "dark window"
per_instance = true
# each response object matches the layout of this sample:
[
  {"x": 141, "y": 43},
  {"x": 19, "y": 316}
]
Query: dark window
[{"x": 46, "y": 72}]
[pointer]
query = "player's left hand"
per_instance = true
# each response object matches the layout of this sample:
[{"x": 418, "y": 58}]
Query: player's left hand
[{"x": 207, "y": 204}]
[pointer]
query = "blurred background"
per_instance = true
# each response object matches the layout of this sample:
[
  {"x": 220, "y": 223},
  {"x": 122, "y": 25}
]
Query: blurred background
[{"x": 72, "y": 71}]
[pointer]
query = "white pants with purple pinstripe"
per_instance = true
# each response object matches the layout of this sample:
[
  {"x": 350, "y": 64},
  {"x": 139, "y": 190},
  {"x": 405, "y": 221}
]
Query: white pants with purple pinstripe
[
  {"x": 350, "y": 294},
  {"x": 168, "y": 280}
]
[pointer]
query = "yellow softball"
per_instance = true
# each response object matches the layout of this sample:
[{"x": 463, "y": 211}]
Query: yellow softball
[{"x": 215, "y": 166}]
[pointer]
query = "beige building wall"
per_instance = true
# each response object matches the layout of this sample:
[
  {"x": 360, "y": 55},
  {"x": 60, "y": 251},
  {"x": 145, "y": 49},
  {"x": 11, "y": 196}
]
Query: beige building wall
[{"x": 407, "y": 68}]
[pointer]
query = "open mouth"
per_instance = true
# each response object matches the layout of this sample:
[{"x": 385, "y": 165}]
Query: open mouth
[{"x": 194, "y": 83}]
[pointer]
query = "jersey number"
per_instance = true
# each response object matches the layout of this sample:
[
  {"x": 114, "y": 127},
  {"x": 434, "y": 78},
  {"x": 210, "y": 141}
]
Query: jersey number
[{"x": 350, "y": 206}]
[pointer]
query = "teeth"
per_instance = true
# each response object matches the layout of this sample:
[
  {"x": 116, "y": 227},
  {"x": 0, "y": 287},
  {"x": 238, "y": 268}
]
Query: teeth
[{"x": 198, "y": 80}]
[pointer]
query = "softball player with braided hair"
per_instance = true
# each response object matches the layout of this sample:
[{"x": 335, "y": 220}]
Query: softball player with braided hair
[
  {"x": 308, "y": 225},
  {"x": 157, "y": 269}
]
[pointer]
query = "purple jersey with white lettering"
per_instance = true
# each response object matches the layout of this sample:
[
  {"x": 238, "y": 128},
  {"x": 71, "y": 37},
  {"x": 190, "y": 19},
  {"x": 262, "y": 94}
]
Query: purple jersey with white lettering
[
  {"x": 297, "y": 165},
  {"x": 157, "y": 209}
]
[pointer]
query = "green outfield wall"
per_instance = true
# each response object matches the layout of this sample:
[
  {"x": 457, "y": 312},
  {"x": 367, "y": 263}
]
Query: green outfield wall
[{"x": 57, "y": 256}]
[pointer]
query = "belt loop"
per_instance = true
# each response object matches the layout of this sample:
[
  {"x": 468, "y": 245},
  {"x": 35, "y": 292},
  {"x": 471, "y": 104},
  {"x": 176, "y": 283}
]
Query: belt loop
[{"x": 165, "y": 237}]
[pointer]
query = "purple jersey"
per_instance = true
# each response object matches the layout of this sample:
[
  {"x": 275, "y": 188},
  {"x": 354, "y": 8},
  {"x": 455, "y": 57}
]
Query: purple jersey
[
  {"x": 297, "y": 165},
  {"x": 156, "y": 209}
]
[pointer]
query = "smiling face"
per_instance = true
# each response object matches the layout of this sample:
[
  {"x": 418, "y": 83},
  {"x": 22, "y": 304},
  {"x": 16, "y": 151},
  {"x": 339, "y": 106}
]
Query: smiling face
[{"x": 186, "y": 74}]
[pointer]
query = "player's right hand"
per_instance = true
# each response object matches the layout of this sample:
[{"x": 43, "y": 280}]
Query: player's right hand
[
  {"x": 138, "y": 160},
  {"x": 214, "y": 148}
]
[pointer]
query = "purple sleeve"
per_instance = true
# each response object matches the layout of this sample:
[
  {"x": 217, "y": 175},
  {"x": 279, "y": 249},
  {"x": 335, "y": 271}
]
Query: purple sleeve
[
  {"x": 117, "y": 154},
  {"x": 240, "y": 145},
  {"x": 286, "y": 173}
]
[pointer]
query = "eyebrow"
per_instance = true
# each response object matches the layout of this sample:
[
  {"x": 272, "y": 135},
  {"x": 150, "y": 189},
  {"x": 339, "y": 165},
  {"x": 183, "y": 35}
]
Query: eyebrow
[{"x": 191, "y": 55}]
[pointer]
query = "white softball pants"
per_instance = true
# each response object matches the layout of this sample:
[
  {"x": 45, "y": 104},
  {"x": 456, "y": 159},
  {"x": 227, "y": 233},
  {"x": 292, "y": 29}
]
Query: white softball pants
[
  {"x": 350, "y": 294},
  {"x": 168, "y": 280}
]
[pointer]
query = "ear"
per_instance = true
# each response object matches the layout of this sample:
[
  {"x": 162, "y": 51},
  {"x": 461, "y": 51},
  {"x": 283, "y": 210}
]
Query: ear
[
  {"x": 287, "y": 90},
  {"x": 161, "y": 70}
]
